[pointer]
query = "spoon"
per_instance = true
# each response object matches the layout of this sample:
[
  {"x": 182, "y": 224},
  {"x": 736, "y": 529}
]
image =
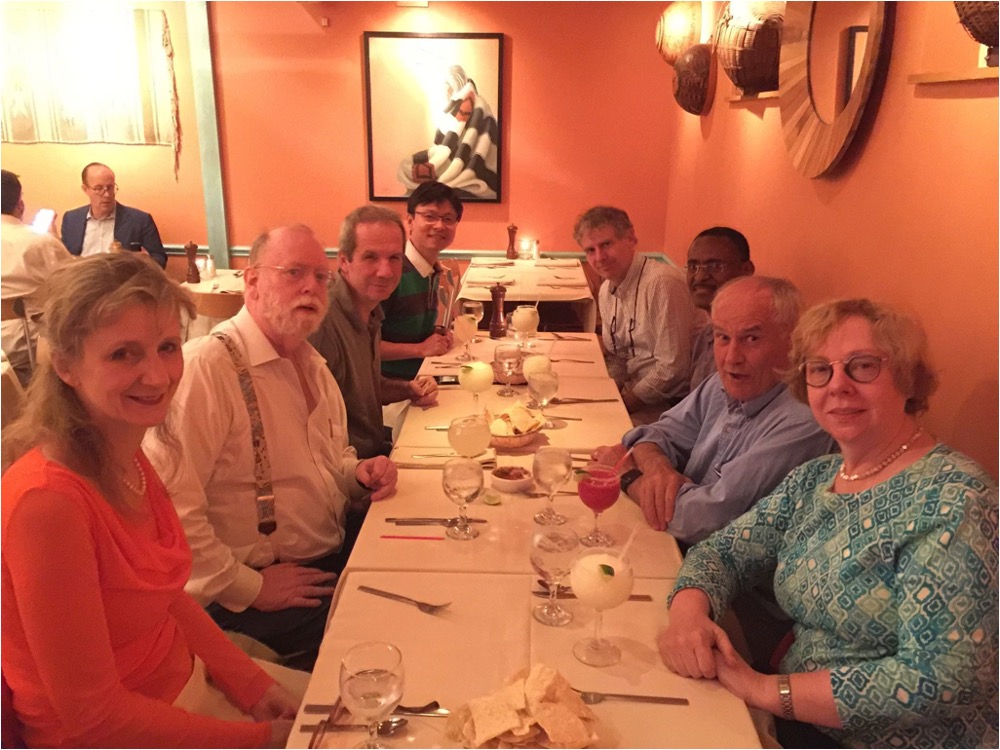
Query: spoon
[{"x": 386, "y": 728}]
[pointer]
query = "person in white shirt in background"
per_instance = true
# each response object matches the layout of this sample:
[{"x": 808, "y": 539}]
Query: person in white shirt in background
[
  {"x": 28, "y": 258},
  {"x": 273, "y": 585},
  {"x": 646, "y": 315}
]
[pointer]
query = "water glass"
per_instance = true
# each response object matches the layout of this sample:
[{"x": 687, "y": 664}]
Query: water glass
[
  {"x": 507, "y": 357},
  {"x": 552, "y": 553},
  {"x": 475, "y": 309},
  {"x": 551, "y": 468},
  {"x": 371, "y": 684},
  {"x": 462, "y": 482},
  {"x": 543, "y": 385},
  {"x": 464, "y": 328}
]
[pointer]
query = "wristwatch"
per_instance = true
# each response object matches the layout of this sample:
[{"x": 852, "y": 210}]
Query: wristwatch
[{"x": 628, "y": 477}]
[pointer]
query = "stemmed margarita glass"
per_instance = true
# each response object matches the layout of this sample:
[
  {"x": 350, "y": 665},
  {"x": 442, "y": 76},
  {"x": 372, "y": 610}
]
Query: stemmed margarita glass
[
  {"x": 543, "y": 386},
  {"x": 475, "y": 377},
  {"x": 462, "y": 481},
  {"x": 475, "y": 309},
  {"x": 602, "y": 580},
  {"x": 525, "y": 320},
  {"x": 599, "y": 488},
  {"x": 465, "y": 331},
  {"x": 552, "y": 554},
  {"x": 371, "y": 684},
  {"x": 551, "y": 468},
  {"x": 507, "y": 356}
]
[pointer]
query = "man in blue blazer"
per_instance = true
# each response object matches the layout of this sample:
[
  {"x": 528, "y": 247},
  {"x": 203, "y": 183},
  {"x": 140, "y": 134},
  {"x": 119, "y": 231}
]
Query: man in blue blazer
[{"x": 91, "y": 229}]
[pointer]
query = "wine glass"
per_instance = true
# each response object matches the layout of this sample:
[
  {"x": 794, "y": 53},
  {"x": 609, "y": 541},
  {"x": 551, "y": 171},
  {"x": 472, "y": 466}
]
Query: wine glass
[
  {"x": 469, "y": 436},
  {"x": 462, "y": 482},
  {"x": 475, "y": 309},
  {"x": 599, "y": 488},
  {"x": 476, "y": 377},
  {"x": 602, "y": 580},
  {"x": 525, "y": 320},
  {"x": 551, "y": 468},
  {"x": 507, "y": 356},
  {"x": 371, "y": 684},
  {"x": 543, "y": 385},
  {"x": 465, "y": 330},
  {"x": 552, "y": 554}
]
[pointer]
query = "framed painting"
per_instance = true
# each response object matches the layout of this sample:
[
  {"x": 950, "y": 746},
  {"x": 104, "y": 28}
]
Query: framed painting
[{"x": 434, "y": 113}]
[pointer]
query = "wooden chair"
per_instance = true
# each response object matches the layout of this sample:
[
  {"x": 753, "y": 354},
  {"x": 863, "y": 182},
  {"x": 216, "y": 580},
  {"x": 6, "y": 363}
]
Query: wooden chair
[
  {"x": 594, "y": 281},
  {"x": 217, "y": 305},
  {"x": 13, "y": 309},
  {"x": 11, "y": 394}
]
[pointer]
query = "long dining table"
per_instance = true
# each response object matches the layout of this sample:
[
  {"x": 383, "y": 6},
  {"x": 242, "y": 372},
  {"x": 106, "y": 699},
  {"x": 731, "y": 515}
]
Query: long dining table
[{"x": 487, "y": 632}]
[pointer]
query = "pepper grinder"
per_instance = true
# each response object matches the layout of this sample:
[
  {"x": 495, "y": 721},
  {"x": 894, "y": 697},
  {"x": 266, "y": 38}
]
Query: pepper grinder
[
  {"x": 191, "y": 251},
  {"x": 498, "y": 328},
  {"x": 511, "y": 242}
]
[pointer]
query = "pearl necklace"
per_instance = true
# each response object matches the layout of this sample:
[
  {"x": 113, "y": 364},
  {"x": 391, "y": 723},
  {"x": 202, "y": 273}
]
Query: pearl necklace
[
  {"x": 141, "y": 489},
  {"x": 889, "y": 459}
]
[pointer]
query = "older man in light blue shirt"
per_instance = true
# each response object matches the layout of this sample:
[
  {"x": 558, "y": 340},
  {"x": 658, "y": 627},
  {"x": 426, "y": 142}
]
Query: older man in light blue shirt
[{"x": 737, "y": 435}]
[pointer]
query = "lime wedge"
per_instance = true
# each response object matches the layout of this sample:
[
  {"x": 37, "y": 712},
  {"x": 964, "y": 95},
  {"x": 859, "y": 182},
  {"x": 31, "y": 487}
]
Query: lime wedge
[{"x": 607, "y": 570}]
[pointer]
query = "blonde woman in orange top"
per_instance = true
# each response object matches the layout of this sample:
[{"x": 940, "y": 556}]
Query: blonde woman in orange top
[{"x": 101, "y": 646}]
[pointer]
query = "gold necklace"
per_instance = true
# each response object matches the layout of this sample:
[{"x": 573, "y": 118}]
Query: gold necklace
[
  {"x": 141, "y": 489},
  {"x": 889, "y": 459}
]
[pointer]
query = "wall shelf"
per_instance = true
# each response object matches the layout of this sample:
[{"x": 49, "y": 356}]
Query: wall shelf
[
  {"x": 739, "y": 98},
  {"x": 972, "y": 74}
]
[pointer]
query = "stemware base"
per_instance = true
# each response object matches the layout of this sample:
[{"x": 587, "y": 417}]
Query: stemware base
[
  {"x": 597, "y": 652},
  {"x": 461, "y": 534},
  {"x": 506, "y": 392},
  {"x": 552, "y": 614},
  {"x": 549, "y": 517},
  {"x": 464, "y": 357},
  {"x": 597, "y": 538}
]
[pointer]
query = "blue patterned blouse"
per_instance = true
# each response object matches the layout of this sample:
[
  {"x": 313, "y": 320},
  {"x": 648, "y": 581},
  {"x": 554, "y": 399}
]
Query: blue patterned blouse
[{"x": 893, "y": 589}]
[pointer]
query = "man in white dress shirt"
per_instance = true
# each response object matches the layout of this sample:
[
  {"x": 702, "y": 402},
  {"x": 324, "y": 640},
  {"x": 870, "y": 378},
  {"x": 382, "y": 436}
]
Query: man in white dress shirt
[
  {"x": 28, "y": 259},
  {"x": 646, "y": 315},
  {"x": 264, "y": 563}
]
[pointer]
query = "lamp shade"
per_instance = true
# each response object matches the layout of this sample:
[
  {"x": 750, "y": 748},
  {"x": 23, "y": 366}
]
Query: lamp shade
[
  {"x": 748, "y": 43},
  {"x": 678, "y": 28},
  {"x": 693, "y": 79}
]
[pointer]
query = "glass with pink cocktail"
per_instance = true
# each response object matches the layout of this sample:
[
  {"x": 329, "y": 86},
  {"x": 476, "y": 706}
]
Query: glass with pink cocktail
[{"x": 599, "y": 489}]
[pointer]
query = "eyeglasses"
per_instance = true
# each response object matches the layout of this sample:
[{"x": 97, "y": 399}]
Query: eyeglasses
[
  {"x": 294, "y": 274},
  {"x": 712, "y": 267},
  {"x": 448, "y": 221},
  {"x": 103, "y": 189},
  {"x": 861, "y": 368}
]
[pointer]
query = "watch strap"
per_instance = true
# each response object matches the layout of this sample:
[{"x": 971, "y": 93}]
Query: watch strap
[
  {"x": 628, "y": 477},
  {"x": 785, "y": 695}
]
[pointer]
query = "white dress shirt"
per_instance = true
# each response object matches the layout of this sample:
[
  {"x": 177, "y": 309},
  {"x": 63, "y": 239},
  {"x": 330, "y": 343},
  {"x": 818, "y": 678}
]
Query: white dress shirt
[
  {"x": 212, "y": 486},
  {"x": 99, "y": 234},
  {"x": 647, "y": 322}
]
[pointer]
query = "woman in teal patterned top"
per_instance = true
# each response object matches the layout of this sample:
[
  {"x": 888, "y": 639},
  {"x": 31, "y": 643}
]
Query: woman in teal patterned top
[{"x": 885, "y": 557}]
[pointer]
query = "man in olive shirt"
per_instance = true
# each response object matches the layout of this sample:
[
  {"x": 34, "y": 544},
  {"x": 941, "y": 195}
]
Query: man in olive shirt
[{"x": 372, "y": 242}]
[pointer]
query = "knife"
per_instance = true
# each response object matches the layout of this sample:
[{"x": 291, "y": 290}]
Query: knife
[
  {"x": 322, "y": 708},
  {"x": 558, "y": 400},
  {"x": 438, "y": 427},
  {"x": 411, "y": 521},
  {"x": 567, "y": 595}
]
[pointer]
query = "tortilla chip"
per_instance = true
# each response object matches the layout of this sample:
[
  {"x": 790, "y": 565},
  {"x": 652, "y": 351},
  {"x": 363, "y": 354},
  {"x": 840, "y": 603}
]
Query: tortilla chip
[
  {"x": 492, "y": 717},
  {"x": 561, "y": 725}
]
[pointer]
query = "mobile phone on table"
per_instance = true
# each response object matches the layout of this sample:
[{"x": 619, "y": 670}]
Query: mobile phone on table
[
  {"x": 446, "y": 379},
  {"x": 135, "y": 247},
  {"x": 43, "y": 220}
]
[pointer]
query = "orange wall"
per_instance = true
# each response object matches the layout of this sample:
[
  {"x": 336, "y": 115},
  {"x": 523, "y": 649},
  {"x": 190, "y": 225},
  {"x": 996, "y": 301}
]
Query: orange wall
[
  {"x": 911, "y": 219},
  {"x": 145, "y": 174},
  {"x": 584, "y": 109}
]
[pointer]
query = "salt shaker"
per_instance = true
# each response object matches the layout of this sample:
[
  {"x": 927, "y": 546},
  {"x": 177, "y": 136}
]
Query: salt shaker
[
  {"x": 210, "y": 267},
  {"x": 498, "y": 327}
]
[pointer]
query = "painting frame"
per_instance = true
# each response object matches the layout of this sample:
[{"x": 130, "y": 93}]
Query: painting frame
[{"x": 434, "y": 110}]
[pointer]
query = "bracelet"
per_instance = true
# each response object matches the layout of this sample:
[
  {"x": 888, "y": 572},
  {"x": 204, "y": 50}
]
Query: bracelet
[{"x": 785, "y": 694}]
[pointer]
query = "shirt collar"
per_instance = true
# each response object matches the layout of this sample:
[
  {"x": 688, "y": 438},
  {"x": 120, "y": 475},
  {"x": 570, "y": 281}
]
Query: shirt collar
[
  {"x": 755, "y": 406},
  {"x": 10, "y": 219},
  {"x": 341, "y": 296},
  {"x": 111, "y": 215},
  {"x": 631, "y": 277},
  {"x": 419, "y": 262}
]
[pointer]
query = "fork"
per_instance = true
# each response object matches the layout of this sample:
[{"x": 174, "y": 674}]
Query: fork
[{"x": 430, "y": 609}]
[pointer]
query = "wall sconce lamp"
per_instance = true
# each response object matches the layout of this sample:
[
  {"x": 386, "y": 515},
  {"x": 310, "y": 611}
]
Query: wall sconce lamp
[{"x": 677, "y": 34}]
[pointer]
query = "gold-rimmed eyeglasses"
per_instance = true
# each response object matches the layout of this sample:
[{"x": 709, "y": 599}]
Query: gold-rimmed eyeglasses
[{"x": 298, "y": 273}]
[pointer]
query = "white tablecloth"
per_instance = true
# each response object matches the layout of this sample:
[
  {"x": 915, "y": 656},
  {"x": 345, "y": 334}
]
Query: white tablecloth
[
  {"x": 226, "y": 281},
  {"x": 488, "y": 633}
]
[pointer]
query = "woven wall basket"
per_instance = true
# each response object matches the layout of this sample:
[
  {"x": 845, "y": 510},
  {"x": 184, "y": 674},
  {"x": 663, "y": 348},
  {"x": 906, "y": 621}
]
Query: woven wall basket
[
  {"x": 981, "y": 20},
  {"x": 749, "y": 50},
  {"x": 693, "y": 80}
]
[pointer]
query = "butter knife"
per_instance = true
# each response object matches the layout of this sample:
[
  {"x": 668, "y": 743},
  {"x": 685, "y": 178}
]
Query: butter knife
[
  {"x": 556, "y": 401},
  {"x": 410, "y": 521},
  {"x": 567, "y": 595}
]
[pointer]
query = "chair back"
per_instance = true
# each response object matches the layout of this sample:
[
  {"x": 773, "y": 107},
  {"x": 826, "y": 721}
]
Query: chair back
[
  {"x": 11, "y": 394},
  {"x": 217, "y": 305},
  {"x": 13, "y": 309}
]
